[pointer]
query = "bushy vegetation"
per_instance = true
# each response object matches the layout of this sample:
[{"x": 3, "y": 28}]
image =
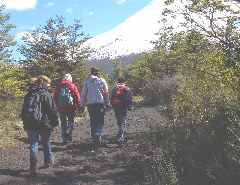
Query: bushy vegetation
[
  {"x": 195, "y": 74},
  {"x": 52, "y": 49}
]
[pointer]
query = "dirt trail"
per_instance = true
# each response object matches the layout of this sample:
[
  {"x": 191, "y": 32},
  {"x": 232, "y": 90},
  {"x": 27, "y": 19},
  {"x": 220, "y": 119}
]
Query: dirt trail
[{"x": 74, "y": 163}]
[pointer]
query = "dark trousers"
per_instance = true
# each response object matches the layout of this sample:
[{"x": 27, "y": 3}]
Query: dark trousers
[
  {"x": 96, "y": 114},
  {"x": 67, "y": 124}
]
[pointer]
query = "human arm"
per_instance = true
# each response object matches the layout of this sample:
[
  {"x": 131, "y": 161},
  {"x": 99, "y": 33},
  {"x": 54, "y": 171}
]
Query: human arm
[
  {"x": 76, "y": 96},
  {"x": 105, "y": 92},
  {"x": 83, "y": 95}
]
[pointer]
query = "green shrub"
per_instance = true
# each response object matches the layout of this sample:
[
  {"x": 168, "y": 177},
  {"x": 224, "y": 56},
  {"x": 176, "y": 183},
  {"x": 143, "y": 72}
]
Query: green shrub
[{"x": 159, "y": 91}]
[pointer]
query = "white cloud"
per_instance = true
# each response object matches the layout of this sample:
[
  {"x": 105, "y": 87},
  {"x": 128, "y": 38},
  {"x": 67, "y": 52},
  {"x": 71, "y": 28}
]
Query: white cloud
[
  {"x": 19, "y": 4},
  {"x": 121, "y": 1},
  {"x": 69, "y": 10},
  {"x": 49, "y": 4},
  {"x": 90, "y": 13}
]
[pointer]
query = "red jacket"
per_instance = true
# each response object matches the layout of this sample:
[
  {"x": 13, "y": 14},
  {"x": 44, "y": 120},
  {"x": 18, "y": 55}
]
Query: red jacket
[{"x": 74, "y": 92}]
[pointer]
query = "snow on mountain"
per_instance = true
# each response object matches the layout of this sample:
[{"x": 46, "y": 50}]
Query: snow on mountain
[
  {"x": 133, "y": 36},
  {"x": 136, "y": 33}
]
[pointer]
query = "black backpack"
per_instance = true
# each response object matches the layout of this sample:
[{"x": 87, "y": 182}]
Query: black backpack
[{"x": 32, "y": 112}]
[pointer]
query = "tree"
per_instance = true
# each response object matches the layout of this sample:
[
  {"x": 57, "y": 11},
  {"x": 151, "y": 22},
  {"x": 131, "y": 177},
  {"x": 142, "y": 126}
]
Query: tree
[
  {"x": 6, "y": 40},
  {"x": 10, "y": 75},
  {"x": 118, "y": 70},
  {"x": 218, "y": 20},
  {"x": 11, "y": 80},
  {"x": 55, "y": 48},
  {"x": 205, "y": 107}
]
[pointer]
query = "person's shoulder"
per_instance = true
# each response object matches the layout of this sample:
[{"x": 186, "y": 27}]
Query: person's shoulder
[
  {"x": 103, "y": 80},
  {"x": 73, "y": 84}
]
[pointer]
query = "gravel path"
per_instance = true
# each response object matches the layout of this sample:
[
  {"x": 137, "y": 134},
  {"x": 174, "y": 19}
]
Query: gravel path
[{"x": 74, "y": 163}]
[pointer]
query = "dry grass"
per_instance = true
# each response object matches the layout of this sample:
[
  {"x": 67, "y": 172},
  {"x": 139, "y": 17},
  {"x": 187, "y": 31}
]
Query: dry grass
[{"x": 10, "y": 124}]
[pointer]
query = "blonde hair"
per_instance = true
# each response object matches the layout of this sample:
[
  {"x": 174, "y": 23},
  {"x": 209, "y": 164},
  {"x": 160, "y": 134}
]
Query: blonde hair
[
  {"x": 33, "y": 80},
  {"x": 43, "y": 79}
]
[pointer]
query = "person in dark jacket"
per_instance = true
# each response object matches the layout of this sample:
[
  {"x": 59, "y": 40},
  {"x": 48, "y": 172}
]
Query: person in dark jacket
[
  {"x": 39, "y": 117},
  {"x": 67, "y": 90},
  {"x": 121, "y": 101}
]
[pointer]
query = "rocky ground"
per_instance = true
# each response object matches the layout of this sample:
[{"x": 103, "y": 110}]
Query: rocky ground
[{"x": 74, "y": 163}]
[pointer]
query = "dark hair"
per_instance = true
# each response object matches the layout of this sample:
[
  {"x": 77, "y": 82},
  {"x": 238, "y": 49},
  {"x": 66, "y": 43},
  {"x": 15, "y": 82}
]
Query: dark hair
[
  {"x": 94, "y": 71},
  {"x": 120, "y": 80}
]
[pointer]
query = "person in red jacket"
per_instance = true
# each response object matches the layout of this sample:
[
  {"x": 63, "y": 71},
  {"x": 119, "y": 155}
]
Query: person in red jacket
[{"x": 67, "y": 100}]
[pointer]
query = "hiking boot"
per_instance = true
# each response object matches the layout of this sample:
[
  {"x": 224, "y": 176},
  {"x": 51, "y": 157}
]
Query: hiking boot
[
  {"x": 33, "y": 168},
  {"x": 121, "y": 140},
  {"x": 98, "y": 140},
  {"x": 93, "y": 147},
  {"x": 48, "y": 164}
]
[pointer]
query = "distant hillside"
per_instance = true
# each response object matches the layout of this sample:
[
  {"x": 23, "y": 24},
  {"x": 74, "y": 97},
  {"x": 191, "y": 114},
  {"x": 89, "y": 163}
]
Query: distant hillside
[{"x": 107, "y": 64}]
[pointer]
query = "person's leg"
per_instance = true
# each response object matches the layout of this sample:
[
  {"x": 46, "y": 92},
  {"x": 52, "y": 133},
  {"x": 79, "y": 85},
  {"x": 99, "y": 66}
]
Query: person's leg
[
  {"x": 99, "y": 122},
  {"x": 48, "y": 157},
  {"x": 63, "y": 119},
  {"x": 92, "y": 120},
  {"x": 121, "y": 116},
  {"x": 33, "y": 136},
  {"x": 70, "y": 125}
]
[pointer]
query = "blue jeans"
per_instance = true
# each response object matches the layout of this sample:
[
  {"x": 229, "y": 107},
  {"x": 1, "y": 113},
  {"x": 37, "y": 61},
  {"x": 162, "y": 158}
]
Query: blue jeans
[
  {"x": 96, "y": 114},
  {"x": 33, "y": 137},
  {"x": 121, "y": 116},
  {"x": 67, "y": 124}
]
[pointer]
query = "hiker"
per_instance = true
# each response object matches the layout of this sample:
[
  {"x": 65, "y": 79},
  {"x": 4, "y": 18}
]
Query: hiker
[
  {"x": 67, "y": 99},
  {"x": 121, "y": 101},
  {"x": 95, "y": 96},
  {"x": 39, "y": 117}
]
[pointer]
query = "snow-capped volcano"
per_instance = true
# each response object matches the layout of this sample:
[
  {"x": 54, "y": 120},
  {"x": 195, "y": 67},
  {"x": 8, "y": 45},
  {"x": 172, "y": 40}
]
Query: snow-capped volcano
[{"x": 134, "y": 35}]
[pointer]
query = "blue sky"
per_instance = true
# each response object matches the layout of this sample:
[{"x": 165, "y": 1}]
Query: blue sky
[{"x": 97, "y": 16}]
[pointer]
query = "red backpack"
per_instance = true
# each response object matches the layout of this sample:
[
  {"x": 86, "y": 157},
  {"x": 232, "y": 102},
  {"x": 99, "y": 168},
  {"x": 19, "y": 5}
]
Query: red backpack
[{"x": 118, "y": 96}]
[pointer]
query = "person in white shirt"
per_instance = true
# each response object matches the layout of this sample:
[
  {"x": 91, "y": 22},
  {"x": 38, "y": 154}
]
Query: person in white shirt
[{"x": 95, "y": 96}]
